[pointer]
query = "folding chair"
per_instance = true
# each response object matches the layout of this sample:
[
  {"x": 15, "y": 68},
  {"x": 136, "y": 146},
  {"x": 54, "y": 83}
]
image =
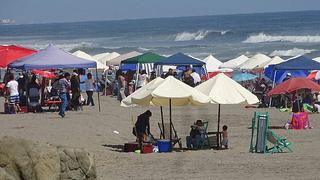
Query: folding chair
[
  {"x": 279, "y": 143},
  {"x": 166, "y": 134},
  {"x": 205, "y": 143}
]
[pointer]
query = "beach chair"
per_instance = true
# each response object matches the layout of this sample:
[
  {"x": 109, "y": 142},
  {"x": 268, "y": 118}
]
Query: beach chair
[
  {"x": 205, "y": 142},
  {"x": 166, "y": 134},
  {"x": 279, "y": 143}
]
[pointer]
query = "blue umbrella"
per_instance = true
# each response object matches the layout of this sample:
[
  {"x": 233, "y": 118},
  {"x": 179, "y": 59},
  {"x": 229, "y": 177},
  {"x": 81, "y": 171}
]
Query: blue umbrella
[{"x": 243, "y": 77}]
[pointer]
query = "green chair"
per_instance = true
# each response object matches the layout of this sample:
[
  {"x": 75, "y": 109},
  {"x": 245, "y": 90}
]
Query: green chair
[{"x": 279, "y": 143}]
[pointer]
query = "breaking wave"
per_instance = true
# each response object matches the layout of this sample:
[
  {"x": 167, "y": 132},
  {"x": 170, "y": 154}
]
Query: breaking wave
[
  {"x": 196, "y": 36},
  {"x": 291, "y": 52},
  {"x": 261, "y": 37}
]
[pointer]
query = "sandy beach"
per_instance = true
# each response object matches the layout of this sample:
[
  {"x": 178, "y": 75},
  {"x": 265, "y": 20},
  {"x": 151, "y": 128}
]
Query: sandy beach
[{"x": 93, "y": 131}]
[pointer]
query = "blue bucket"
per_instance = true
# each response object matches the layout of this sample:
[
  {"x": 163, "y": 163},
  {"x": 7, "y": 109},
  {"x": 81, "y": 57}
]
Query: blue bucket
[{"x": 164, "y": 145}]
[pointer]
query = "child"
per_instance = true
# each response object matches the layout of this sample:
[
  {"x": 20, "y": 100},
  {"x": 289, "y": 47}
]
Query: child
[{"x": 225, "y": 136}]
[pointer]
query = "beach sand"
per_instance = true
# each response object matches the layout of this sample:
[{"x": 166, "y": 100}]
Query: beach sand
[{"x": 93, "y": 131}]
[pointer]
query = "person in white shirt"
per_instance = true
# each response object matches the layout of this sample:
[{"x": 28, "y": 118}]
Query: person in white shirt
[
  {"x": 12, "y": 87},
  {"x": 89, "y": 89},
  {"x": 196, "y": 77},
  {"x": 142, "y": 79}
]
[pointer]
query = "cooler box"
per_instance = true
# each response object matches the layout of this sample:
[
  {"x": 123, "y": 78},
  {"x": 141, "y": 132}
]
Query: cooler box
[
  {"x": 164, "y": 145},
  {"x": 130, "y": 146},
  {"x": 147, "y": 148},
  {"x": 24, "y": 109}
]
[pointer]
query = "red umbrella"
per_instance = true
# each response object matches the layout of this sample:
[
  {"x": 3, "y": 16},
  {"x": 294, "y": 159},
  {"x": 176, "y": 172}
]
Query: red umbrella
[
  {"x": 312, "y": 75},
  {"x": 8, "y": 54},
  {"x": 294, "y": 84},
  {"x": 46, "y": 74}
]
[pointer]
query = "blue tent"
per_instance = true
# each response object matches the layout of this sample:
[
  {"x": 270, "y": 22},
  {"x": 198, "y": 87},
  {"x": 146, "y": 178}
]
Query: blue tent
[
  {"x": 298, "y": 63},
  {"x": 281, "y": 74},
  {"x": 52, "y": 58},
  {"x": 180, "y": 59},
  {"x": 243, "y": 77}
]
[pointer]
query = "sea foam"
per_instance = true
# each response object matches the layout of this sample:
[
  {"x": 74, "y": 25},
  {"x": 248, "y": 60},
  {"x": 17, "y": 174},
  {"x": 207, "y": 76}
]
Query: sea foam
[
  {"x": 261, "y": 37},
  {"x": 291, "y": 52}
]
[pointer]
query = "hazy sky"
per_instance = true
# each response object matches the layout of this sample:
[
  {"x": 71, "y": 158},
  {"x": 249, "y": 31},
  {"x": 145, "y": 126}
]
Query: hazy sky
[{"x": 36, "y": 11}]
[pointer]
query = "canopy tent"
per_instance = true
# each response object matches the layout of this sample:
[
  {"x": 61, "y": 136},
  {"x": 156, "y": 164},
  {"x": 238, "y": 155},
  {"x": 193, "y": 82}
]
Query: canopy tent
[
  {"x": 234, "y": 63},
  {"x": 101, "y": 55},
  {"x": 212, "y": 64},
  {"x": 317, "y": 59},
  {"x": 84, "y": 55},
  {"x": 180, "y": 59},
  {"x": 243, "y": 77},
  {"x": 116, "y": 61},
  {"x": 294, "y": 84},
  {"x": 166, "y": 92},
  {"x": 148, "y": 57},
  {"x": 298, "y": 63},
  {"x": 51, "y": 58},
  {"x": 275, "y": 60},
  {"x": 108, "y": 57},
  {"x": 9, "y": 54},
  {"x": 223, "y": 90},
  {"x": 257, "y": 61},
  {"x": 314, "y": 75}
]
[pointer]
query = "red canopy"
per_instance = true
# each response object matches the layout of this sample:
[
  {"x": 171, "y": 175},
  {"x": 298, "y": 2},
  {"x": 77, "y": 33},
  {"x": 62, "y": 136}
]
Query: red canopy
[
  {"x": 8, "y": 54},
  {"x": 294, "y": 84},
  {"x": 46, "y": 74}
]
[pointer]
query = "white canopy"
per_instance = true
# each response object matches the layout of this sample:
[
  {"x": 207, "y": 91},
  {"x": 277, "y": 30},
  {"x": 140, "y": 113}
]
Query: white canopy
[
  {"x": 108, "y": 57},
  {"x": 84, "y": 55},
  {"x": 317, "y": 59},
  {"x": 99, "y": 56},
  {"x": 223, "y": 90},
  {"x": 212, "y": 64},
  {"x": 234, "y": 63},
  {"x": 275, "y": 60},
  {"x": 159, "y": 91},
  {"x": 255, "y": 62},
  {"x": 116, "y": 61}
]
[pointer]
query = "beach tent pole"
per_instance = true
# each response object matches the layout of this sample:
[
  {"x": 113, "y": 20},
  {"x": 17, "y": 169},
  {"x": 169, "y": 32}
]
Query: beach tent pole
[
  {"x": 137, "y": 76},
  {"x": 273, "y": 84},
  {"x": 161, "y": 111},
  {"x": 170, "y": 114},
  {"x": 98, "y": 90},
  {"x": 218, "y": 129}
]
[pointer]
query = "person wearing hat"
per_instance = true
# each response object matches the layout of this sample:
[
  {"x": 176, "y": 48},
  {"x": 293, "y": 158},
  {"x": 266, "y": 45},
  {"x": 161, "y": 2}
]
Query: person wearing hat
[{"x": 288, "y": 76}]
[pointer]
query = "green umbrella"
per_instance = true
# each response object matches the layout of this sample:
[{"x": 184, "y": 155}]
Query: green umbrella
[{"x": 148, "y": 57}]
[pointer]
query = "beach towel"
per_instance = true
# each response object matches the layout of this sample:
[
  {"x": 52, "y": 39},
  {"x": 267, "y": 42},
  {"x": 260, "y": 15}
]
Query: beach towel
[{"x": 300, "y": 120}]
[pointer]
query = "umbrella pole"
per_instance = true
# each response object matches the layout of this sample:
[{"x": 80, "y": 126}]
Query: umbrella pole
[
  {"x": 98, "y": 90},
  {"x": 218, "y": 129},
  {"x": 170, "y": 119},
  {"x": 163, "y": 134},
  {"x": 273, "y": 84}
]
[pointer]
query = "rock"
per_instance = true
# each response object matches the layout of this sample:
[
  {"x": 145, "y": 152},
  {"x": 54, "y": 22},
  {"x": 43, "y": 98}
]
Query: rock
[{"x": 26, "y": 160}]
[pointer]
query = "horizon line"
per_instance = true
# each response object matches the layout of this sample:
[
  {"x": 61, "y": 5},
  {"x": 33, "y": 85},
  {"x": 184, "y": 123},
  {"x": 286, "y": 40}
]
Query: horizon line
[{"x": 163, "y": 17}]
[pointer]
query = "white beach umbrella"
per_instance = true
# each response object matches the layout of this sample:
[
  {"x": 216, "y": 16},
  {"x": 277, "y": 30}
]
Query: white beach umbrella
[
  {"x": 255, "y": 62},
  {"x": 116, "y": 61},
  {"x": 234, "y": 63},
  {"x": 223, "y": 90},
  {"x": 166, "y": 92},
  {"x": 212, "y": 63},
  {"x": 84, "y": 55},
  {"x": 275, "y": 60}
]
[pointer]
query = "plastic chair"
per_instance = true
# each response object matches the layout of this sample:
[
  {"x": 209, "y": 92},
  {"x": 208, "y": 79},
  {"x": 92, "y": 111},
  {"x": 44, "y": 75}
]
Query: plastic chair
[{"x": 279, "y": 143}]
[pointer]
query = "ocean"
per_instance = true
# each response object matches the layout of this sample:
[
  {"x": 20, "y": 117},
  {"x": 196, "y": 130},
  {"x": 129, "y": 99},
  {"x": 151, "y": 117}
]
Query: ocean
[{"x": 224, "y": 36}]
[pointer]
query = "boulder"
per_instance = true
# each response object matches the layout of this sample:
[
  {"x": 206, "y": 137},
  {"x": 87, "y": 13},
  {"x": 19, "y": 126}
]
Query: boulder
[{"x": 26, "y": 160}]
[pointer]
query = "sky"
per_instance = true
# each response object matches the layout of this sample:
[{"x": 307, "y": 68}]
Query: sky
[{"x": 46, "y": 11}]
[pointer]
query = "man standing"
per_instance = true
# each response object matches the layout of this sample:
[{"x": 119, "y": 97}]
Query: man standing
[
  {"x": 63, "y": 86},
  {"x": 196, "y": 77}
]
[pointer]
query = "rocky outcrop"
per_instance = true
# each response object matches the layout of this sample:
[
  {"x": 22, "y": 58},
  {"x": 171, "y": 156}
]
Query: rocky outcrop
[{"x": 26, "y": 160}]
